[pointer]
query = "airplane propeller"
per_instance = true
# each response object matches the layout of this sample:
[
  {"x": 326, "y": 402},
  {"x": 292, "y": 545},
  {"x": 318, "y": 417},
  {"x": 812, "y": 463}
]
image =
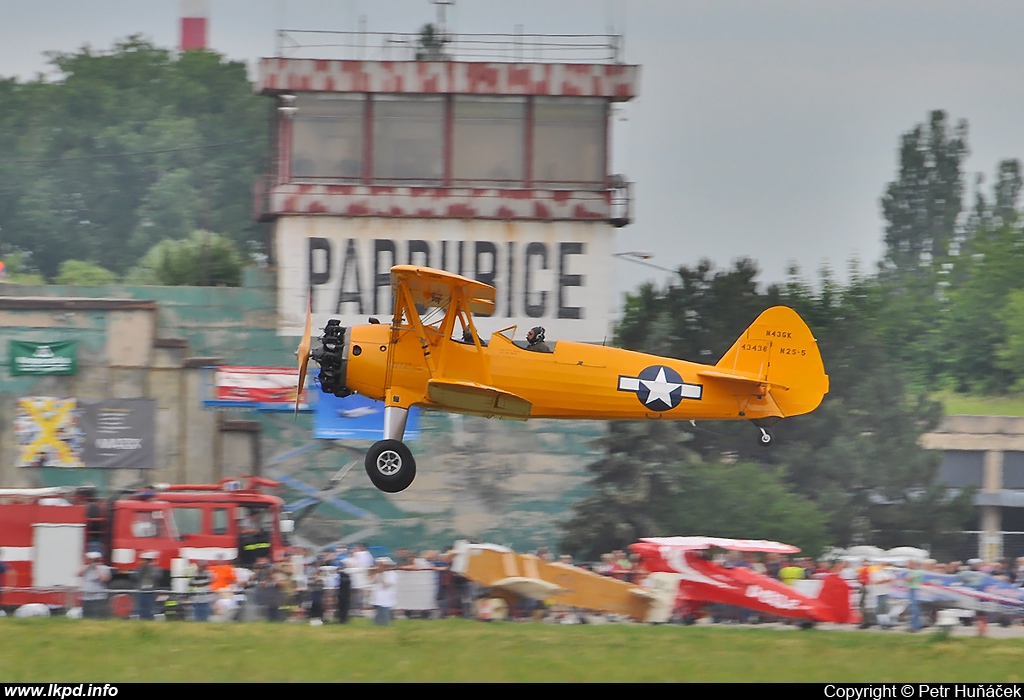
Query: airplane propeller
[{"x": 303, "y": 352}]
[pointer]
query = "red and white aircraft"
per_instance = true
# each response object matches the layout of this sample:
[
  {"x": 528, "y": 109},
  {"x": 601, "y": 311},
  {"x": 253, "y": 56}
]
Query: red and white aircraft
[{"x": 702, "y": 581}]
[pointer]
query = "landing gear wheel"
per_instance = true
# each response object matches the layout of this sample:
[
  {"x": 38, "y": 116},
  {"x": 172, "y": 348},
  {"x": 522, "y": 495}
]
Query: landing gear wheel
[
  {"x": 390, "y": 466},
  {"x": 766, "y": 436}
]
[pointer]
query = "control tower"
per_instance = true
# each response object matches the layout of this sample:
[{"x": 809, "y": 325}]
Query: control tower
[{"x": 484, "y": 155}]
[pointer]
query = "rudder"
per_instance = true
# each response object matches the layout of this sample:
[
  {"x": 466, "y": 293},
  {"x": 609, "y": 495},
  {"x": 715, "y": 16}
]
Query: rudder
[
  {"x": 779, "y": 349},
  {"x": 835, "y": 600}
]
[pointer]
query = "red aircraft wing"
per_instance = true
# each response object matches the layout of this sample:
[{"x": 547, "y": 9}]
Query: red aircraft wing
[{"x": 704, "y": 581}]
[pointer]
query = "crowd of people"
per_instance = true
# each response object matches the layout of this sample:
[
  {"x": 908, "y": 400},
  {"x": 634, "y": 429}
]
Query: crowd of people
[
  {"x": 874, "y": 582},
  {"x": 337, "y": 583},
  {"x": 329, "y": 586}
]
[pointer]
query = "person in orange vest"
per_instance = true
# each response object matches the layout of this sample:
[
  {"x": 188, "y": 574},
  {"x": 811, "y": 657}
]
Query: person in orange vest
[
  {"x": 223, "y": 572},
  {"x": 864, "y": 579}
]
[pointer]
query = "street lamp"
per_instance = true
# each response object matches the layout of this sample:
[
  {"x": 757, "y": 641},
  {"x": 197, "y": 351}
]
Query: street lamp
[{"x": 640, "y": 257}]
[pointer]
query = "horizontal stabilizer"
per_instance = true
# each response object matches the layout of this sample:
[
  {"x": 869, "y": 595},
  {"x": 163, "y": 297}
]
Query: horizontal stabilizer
[
  {"x": 739, "y": 377},
  {"x": 478, "y": 399}
]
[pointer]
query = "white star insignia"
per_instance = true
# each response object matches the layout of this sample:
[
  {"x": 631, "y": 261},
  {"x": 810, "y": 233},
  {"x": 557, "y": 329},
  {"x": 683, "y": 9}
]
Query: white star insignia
[{"x": 660, "y": 388}]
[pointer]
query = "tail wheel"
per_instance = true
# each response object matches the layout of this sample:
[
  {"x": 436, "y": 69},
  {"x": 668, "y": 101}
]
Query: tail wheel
[
  {"x": 390, "y": 466},
  {"x": 766, "y": 437}
]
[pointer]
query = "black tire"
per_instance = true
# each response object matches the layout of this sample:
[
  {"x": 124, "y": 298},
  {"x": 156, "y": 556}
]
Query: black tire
[
  {"x": 390, "y": 466},
  {"x": 766, "y": 439}
]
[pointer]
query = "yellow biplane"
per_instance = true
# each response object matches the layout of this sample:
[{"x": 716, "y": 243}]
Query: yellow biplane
[{"x": 773, "y": 371}]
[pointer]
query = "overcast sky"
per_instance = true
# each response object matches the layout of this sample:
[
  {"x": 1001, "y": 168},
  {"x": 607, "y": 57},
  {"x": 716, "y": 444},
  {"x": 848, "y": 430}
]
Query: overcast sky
[{"x": 767, "y": 128}]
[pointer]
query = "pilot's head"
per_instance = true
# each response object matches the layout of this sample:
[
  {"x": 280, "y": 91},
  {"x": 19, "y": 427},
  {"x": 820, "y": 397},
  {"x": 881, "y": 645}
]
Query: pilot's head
[{"x": 535, "y": 335}]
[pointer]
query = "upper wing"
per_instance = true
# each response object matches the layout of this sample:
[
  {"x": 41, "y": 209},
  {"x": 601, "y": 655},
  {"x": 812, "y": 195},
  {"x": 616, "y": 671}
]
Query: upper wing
[
  {"x": 477, "y": 399},
  {"x": 432, "y": 288},
  {"x": 688, "y": 543}
]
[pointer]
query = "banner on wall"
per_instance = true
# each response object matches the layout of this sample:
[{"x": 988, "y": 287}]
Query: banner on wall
[
  {"x": 119, "y": 433},
  {"x": 28, "y": 358},
  {"x": 48, "y": 432},
  {"x": 356, "y": 417},
  {"x": 265, "y": 388},
  {"x": 72, "y": 433}
]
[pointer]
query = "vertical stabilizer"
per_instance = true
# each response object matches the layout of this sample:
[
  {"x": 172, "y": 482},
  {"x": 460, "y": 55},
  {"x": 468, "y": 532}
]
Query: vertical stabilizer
[{"x": 779, "y": 350}]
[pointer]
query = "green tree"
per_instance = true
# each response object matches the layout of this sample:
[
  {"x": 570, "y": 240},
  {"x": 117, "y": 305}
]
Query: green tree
[
  {"x": 990, "y": 268},
  {"x": 857, "y": 458},
  {"x": 633, "y": 489},
  {"x": 17, "y": 268},
  {"x": 82, "y": 273},
  {"x": 742, "y": 500},
  {"x": 922, "y": 209},
  {"x": 922, "y": 205},
  {"x": 431, "y": 45},
  {"x": 859, "y": 455},
  {"x": 1007, "y": 191},
  {"x": 168, "y": 210},
  {"x": 125, "y": 149},
  {"x": 650, "y": 484},
  {"x": 203, "y": 259},
  {"x": 1010, "y": 353}
]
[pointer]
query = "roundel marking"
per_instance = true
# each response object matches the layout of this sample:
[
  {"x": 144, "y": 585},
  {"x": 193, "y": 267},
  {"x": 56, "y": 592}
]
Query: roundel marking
[{"x": 659, "y": 388}]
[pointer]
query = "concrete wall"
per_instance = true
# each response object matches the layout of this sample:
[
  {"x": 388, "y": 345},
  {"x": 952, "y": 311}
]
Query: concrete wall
[
  {"x": 120, "y": 356},
  {"x": 144, "y": 342}
]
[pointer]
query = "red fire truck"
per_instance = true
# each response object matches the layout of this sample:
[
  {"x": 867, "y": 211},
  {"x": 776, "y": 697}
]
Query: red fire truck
[{"x": 44, "y": 533}]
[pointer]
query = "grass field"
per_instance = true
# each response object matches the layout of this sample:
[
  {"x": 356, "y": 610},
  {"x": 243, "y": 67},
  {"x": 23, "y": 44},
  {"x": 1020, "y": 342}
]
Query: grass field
[
  {"x": 965, "y": 405},
  {"x": 61, "y": 650}
]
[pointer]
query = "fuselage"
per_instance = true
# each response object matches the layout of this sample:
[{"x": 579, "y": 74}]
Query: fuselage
[{"x": 575, "y": 380}]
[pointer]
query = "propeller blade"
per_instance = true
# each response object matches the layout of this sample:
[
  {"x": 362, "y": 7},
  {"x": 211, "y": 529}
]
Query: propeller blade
[{"x": 303, "y": 352}]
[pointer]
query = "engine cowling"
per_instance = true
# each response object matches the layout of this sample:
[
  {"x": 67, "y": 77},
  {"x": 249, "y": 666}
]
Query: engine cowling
[{"x": 332, "y": 356}]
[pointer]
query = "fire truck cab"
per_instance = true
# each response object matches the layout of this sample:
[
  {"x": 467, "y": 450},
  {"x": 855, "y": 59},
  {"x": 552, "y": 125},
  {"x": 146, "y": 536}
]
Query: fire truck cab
[
  {"x": 45, "y": 533},
  {"x": 230, "y": 520}
]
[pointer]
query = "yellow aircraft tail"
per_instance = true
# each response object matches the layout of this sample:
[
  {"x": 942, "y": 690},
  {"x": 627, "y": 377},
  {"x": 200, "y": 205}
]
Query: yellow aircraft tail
[{"x": 779, "y": 352}]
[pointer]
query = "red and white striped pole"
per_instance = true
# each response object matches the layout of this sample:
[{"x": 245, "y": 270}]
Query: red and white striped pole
[{"x": 194, "y": 22}]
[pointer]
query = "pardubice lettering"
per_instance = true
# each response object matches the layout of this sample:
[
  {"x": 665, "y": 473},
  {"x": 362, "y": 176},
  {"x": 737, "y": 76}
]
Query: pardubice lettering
[{"x": 518, "y": 264}]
